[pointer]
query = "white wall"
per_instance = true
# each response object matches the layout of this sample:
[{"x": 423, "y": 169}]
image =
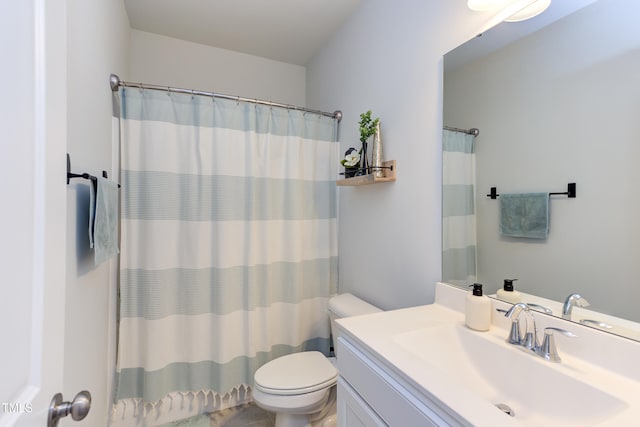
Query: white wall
[
  {"x": 167, "y": 61},
  {"x": 98, "y": 38},
  {"x": 388, "y": 58},
  {"x": 567, "y": 112}
]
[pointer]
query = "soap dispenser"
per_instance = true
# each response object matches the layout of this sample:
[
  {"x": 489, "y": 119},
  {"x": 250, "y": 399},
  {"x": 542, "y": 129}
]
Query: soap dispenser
[
  {"x": 508, "y": 294},
  {"x": 478, "y": 309}
]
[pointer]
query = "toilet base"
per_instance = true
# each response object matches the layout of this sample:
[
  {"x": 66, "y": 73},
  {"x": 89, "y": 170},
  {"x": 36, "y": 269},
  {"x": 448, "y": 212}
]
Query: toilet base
[
  {"x": 291, "y": 413},
  {"x": 327, "y": 417}
]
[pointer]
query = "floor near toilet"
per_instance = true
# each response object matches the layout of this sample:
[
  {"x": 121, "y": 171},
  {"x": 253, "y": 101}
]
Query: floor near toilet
[{"x": 248, "y": 415}]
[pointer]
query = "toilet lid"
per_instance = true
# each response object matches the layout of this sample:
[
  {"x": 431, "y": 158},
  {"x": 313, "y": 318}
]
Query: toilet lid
[{"x": 296, "y": 373}]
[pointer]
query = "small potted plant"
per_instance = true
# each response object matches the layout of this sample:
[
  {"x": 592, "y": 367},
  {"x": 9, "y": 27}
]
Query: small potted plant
[
  {"x": 350, "y": 162},
  {"x": 367, "y": 130}
]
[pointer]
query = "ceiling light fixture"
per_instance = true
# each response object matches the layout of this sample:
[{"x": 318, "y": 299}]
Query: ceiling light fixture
[
  {"x": 530, "y": 11},
  {"x": 485, "y": 5},
  {"x": 527, "y": 12}
]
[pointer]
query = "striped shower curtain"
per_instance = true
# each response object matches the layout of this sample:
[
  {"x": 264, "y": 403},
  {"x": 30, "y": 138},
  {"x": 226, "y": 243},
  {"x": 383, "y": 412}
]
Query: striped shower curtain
[
  {"x": 229, "y": 250},
  {"x": 458, "y": 208}
]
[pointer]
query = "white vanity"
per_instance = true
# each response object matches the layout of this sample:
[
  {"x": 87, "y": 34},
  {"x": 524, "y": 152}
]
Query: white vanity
[{"x": 422, "y": 367}]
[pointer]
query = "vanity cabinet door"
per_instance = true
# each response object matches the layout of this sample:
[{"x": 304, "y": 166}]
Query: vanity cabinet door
[
  {"x": 385, "y": 394},
  {"x": 353, "y": 411}
]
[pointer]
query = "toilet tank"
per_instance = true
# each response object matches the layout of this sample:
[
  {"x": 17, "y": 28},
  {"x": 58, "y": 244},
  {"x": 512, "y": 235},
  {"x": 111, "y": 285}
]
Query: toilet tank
[{"x": 347, "y": 305}]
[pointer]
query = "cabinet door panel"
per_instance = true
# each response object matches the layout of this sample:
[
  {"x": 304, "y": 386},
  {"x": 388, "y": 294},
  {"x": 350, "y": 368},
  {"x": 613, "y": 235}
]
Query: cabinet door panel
[
  {"x": 387, "y": 394},
  {"x": 353, "y": 411}
]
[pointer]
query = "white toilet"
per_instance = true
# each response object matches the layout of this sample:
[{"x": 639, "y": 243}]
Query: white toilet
[{"x": 299, "y": 386}]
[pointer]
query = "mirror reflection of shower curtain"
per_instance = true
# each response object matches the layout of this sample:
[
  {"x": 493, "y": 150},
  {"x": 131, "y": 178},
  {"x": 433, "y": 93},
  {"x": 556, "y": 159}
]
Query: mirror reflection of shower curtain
[
  {"x": 229, "y": 247},
  {"x": 458, "y": 208}
]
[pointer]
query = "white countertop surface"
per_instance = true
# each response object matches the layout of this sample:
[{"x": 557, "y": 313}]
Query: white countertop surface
[{"x": 375, "y": 333}]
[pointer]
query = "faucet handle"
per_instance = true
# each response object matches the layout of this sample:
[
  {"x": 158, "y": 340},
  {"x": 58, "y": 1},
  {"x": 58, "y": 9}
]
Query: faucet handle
[
  {"x": 597, "y": 323},
  {"x": 515, "y": 336},
  {"x": 550, "y": 330},
  {"x": 541, "y": 308},
  {"x": 548, "y": 349}
]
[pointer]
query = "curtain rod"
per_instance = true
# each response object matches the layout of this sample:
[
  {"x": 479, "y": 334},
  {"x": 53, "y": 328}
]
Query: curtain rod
[
  {"x": 472, "y": 131},
  {"x": 115, "y": 83}
]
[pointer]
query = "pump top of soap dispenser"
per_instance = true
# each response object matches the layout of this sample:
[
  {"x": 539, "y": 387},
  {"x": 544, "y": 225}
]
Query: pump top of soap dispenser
[
  {"x": 477, "y": 289},
  {"x": 508, "y": 284},
  {"x": 507, "y": 293},
  {"x": 477, "y": 308}
]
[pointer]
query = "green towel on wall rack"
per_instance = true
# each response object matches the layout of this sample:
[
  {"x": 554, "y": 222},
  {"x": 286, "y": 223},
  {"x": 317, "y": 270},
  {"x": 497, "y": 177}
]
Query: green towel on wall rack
[
  {"x": 103, "y": 220},
  {"x": 524, "y": 215}
]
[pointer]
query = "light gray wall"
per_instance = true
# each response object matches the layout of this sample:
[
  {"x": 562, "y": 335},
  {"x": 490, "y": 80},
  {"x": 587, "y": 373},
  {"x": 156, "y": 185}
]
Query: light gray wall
[
  {"x": 98, "y": 39},
  {"x": 388, "y": 58},
  {"x": 567, "y": 112},
  {"x": 167, "y": 61}
]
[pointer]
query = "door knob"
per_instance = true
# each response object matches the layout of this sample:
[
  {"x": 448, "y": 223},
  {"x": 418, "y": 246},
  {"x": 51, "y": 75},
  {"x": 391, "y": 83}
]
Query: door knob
[{"x": 78, "y": 409}]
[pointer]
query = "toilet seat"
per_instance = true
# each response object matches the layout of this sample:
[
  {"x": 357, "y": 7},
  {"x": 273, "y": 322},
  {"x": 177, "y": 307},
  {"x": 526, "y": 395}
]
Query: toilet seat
[{"x": 296, "y": 373}]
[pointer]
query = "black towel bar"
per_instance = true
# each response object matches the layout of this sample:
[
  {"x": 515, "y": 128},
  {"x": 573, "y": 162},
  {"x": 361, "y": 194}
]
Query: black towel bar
[
  {"x": 94, "y": 184},
  {"x": 570, "y": 193},
  {"x": 84, "y": 175}
]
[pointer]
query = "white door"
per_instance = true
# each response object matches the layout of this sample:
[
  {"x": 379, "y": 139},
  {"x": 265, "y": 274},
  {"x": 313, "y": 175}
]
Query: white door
[{"x": 33, "y": 203}]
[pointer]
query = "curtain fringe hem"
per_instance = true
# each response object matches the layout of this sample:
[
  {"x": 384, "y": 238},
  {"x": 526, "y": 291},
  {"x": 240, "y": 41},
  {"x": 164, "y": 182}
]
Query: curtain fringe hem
[{"x": 177, "y": 403}]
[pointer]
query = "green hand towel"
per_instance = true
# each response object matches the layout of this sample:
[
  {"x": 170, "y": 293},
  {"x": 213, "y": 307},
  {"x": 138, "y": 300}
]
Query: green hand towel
[{"x": 524, "y": 215}]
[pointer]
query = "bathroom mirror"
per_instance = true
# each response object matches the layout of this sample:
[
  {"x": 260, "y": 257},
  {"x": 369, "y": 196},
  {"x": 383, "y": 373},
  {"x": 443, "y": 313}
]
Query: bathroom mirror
[{"x": 558, "y": 105}]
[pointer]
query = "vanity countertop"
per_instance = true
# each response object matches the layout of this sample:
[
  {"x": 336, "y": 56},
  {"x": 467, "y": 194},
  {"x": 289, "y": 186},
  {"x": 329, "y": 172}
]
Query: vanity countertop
[{"x": 378, "y": 334}]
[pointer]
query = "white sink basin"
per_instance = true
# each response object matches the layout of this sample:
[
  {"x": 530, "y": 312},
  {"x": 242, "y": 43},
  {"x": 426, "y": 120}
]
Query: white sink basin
[{"x": 539, "y": 392}]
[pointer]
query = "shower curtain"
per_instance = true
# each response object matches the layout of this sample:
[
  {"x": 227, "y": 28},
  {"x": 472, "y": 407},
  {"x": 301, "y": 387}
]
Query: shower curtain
[
  {"x": 229, "y": 253},
  {"x": 458, "y": 208}
]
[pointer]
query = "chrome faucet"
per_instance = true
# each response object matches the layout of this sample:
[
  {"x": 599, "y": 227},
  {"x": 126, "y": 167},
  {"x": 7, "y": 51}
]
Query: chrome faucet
[
  {"x": 571, "y": 301},
  {"x": 547, "y": 350}
]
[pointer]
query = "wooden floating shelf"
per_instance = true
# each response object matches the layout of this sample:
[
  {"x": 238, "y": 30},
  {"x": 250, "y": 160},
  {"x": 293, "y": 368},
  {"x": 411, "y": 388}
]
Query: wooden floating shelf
[{"x": 388, "y": 175}]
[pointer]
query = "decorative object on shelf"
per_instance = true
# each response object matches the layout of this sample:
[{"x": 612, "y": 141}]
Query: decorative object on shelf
[
  {"x": 376, "y": 156},
  {"x": 358, "y": 170},
  {"x": 367, "y": 129},
  {"x": 350, "y": 162},
  {"x": 388, "y": 174}
]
